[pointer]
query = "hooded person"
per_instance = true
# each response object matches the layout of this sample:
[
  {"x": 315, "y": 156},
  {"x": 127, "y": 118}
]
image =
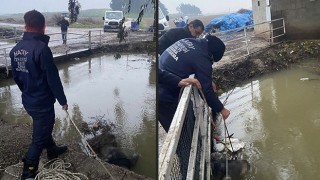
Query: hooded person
[{"x": 183, "y": 58}]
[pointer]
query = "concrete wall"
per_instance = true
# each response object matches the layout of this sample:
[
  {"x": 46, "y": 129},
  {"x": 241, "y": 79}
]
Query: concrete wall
[
  {"x": 302, "y": 17},
  {"x": 259, "y": 16}
]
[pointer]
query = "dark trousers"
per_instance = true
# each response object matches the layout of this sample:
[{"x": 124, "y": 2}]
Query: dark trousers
[
  {"x": 166, "y": 112},
  {"x": 64, "y": 36},
  {"x": 43, "y": 122}
]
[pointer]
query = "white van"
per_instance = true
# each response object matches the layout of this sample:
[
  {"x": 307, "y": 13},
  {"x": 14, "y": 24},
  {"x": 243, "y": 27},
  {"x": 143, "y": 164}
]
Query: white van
[
  {"x": 163, "y": 24},
  {"x": 112, "y": 20}
]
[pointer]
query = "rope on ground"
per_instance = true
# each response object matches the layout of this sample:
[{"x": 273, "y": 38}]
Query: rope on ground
[
  {"x": 91, "y": 151},
  {"x": 18, "y": 166},
  {"x": 57, "y": 170},
  {"x": 54, "y": 169}
]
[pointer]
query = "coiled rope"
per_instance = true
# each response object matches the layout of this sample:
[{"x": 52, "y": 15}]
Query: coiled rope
[
  {"x": 53, "y": 169},
  {"x": 57, "y": 170}
]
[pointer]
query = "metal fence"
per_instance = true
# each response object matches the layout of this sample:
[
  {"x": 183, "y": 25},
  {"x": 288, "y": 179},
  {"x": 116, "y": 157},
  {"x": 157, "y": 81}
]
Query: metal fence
[
  {"x": 79, "y": 41},
  {"x": 185, "y": 153},
  {"x": 243, "y": 41}
]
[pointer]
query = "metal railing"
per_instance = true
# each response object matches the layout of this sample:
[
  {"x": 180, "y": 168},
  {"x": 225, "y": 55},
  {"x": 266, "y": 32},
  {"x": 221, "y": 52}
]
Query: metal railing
[
  {"x": 198, "y": 161},
  {"x": 75, "y": 41},
  {"x": 243, "y": 41}
]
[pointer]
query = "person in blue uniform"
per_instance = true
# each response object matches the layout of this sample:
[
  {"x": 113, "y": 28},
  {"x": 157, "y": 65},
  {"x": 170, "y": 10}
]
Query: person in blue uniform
[
  {"x": 183, "y": 58},
  {"x": 37, "y": 77}
]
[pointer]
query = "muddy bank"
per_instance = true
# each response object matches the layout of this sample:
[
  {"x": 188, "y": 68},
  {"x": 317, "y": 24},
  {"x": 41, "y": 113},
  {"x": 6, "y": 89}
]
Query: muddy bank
[
  {"x": 16, "y": 138},
  {"x": 274, "y": 58}
]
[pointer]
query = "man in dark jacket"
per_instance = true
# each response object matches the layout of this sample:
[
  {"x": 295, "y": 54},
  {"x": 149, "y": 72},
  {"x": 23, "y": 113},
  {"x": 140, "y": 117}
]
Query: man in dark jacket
[
  {"x": 37, "y": 77},
  {"x": 183, "y": 58},
  {"x": 64, "y": 28},
  {"x": 192, "y": 30}
]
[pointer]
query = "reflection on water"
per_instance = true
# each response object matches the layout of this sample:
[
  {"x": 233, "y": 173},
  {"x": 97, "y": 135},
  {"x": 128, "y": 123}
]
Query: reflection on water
[
  {"x": 279, "y": 119},
  {"x": 121, "y": 89}
]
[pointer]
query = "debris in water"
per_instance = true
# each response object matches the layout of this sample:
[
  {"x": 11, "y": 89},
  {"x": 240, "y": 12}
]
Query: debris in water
[{"x": 307, "y": 79}]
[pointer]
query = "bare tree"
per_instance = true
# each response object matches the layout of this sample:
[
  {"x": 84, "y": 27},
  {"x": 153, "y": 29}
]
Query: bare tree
[{"x": 74, "y": 9}]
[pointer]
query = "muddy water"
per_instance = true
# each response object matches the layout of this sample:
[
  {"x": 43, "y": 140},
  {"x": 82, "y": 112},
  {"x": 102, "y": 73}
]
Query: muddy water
[
  {"x": 117, "y": 89},
  {"x": 278, "y": 117}
]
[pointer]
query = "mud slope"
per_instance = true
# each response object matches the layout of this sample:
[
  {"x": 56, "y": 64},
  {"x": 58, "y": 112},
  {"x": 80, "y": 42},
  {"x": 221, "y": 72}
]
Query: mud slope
[{"x": 274, "y": 58}]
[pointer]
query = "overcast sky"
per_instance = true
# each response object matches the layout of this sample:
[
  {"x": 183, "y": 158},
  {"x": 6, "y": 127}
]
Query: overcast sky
[
  {"x": 209, "y": 6},
  {"x": 22, "y": 6},
  {"x": 206, "y": 6}
]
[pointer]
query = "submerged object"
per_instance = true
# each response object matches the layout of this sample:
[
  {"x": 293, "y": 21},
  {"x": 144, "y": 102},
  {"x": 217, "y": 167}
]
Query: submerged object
[{"x": 233, "y": 144}]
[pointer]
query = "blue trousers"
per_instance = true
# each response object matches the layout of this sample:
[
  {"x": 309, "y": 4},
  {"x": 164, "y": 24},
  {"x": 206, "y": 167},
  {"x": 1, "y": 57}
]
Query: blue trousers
[{"x": 43, "y": 122}]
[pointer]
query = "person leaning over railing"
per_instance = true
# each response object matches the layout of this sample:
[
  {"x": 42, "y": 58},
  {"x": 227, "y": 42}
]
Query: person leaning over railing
[{"x": 183, "y": 58}]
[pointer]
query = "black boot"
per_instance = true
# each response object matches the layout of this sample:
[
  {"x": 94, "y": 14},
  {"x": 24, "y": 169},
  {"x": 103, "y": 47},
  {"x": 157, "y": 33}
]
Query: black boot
[
  {"x": 53, "y": 151},
  {"x": 29, "y": 170}
]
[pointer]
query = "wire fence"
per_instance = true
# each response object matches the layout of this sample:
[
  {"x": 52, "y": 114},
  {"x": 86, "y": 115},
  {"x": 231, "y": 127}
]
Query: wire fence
[{"x": 185, "y": 153}]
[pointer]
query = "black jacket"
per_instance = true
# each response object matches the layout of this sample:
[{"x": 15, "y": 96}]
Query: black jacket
[
  {"x": 183, "y": 58},
  {"x": 172, "y": 36},
  {"x": 35, "y": 72},
  {"x": 64, "y": 24}
]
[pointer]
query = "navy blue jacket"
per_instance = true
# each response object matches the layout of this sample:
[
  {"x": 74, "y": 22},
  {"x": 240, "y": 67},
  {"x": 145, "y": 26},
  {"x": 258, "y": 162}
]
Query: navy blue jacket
[
  {"x": 35, "y": 73},
  {"x": 64, "y": 24},
  {"x": 183, "y": 58}
]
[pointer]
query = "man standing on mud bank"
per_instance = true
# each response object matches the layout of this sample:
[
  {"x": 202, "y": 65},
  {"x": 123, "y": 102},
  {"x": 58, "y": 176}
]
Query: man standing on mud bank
[
  {"x": 37, "y": 77},
  {"x": 193, "y": 30},
  {"x": 183, "y": 58},
  {"x": 64, "y": 28}
]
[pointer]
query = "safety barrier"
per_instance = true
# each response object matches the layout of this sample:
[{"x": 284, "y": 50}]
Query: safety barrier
[
  {"x": 243, "y": 41},
  {"x": 75, "y": 41},
  {"x": 185, "y": 153}
]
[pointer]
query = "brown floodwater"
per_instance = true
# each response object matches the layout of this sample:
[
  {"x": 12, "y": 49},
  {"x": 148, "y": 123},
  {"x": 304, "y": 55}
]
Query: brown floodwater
[
  {"x": 278, "y": 118},
  {"x": 118, "y": 89}
]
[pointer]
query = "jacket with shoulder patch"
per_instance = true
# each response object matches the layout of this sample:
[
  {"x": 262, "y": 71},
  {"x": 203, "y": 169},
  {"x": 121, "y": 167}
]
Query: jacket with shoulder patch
[
  {"x": 183, "y": 58},
  {"x": 35, "y": 73}
]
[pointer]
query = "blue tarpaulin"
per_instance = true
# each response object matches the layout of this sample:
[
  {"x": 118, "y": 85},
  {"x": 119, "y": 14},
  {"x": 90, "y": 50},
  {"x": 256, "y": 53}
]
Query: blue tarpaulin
[
  {"x": 230, "y": 21},
  {"x": 134, "y": 26}
]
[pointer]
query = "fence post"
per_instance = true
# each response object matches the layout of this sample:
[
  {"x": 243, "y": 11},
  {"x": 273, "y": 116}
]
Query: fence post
[
  {"x": 89, "y": 39},
  {"x": 271, "y": 32},
  {"x": 5, "y": 57},
  {"x": 100, "y": 38},
  {"x": 15, "y": 34},
  {"x": 284, "y": 26},
  {"x": 246, "y": 36}
]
